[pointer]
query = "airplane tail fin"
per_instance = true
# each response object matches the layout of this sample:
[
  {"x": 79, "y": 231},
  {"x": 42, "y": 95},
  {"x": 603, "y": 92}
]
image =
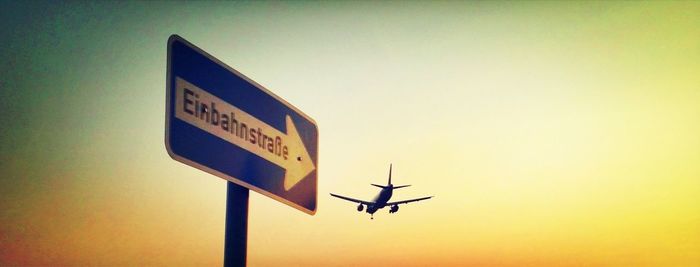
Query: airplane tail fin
[
  {"x": 389, "y": 183},
  {"x": 389, "y": 174}
]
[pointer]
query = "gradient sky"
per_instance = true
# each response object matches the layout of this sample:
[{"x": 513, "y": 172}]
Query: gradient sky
[{"x": 551, "y": 133}]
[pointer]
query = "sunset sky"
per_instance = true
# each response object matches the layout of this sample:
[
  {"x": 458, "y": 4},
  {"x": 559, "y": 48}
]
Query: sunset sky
[{"x": 550, "y": 133}]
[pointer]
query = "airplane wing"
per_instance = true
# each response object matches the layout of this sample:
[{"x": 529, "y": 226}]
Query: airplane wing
[
  {"x": 407, "y": 201},
  {"x": 353, "y": 200}
]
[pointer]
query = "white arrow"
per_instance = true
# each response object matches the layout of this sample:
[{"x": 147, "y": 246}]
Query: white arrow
[{"x": 215, "y": 116}]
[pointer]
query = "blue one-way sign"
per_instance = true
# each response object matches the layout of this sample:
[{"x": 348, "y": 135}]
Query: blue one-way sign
[{"x": 223, "y": 123}]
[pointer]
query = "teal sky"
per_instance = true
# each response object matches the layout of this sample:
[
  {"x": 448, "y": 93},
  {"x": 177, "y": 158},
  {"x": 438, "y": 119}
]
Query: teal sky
[{"x": 577, "y": 120}]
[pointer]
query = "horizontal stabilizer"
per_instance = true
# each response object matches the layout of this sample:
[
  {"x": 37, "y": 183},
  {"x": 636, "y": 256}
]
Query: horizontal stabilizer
[
  {"x": 401, "y": 186},
  {"x": 380, "y": 186}
]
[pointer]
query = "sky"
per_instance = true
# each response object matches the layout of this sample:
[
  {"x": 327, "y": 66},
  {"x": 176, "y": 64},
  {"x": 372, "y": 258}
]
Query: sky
[{"x": 550, "y": 133}]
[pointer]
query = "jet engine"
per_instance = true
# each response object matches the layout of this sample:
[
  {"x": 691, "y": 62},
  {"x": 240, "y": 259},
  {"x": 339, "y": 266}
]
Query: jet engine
[
  {"x": 360, "y": 207},
  {"x": 394, "y": 209}
]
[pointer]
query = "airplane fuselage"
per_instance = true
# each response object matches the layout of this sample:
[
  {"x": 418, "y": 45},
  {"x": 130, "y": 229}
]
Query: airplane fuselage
[{"x": 381, "y": 199}]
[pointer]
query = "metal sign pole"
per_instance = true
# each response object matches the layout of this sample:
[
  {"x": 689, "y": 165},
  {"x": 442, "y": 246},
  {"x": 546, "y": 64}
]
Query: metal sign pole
[{"x": 236, "y": 236}]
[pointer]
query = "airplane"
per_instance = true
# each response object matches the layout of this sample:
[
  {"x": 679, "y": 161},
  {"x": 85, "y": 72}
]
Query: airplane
[{"x": 382, "y": 199}]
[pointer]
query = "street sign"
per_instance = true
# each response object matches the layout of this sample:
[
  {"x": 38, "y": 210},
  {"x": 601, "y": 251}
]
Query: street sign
[{"x": 221, "y": 122}]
